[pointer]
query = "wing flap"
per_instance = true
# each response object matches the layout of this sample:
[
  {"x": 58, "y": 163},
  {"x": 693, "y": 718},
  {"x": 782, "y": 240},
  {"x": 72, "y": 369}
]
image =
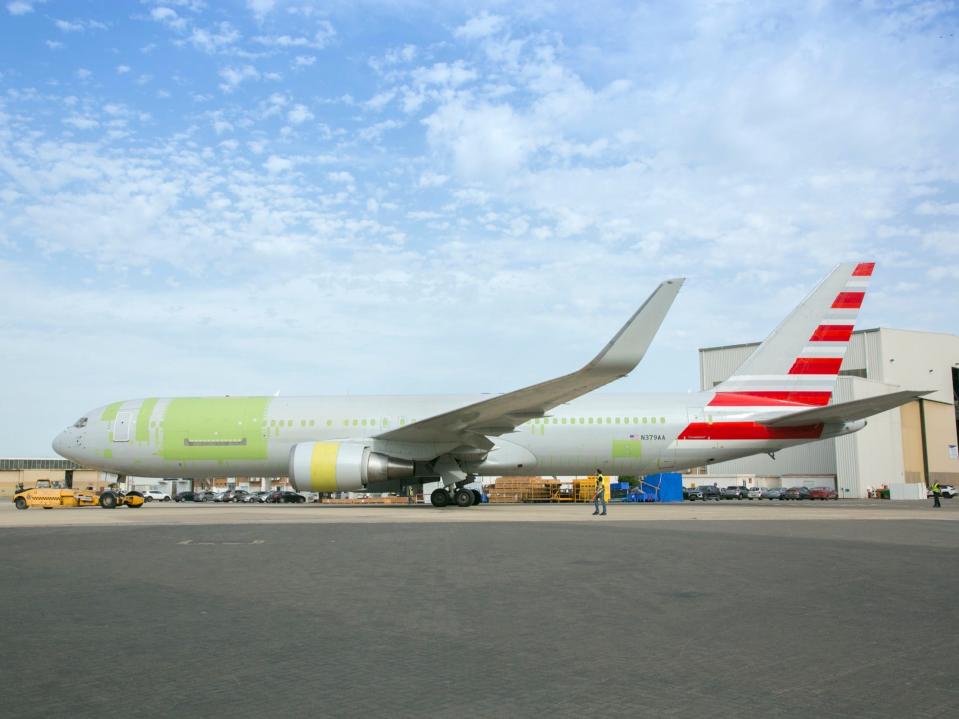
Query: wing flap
[
  {"x": 501, "y": 414},
  {"x": 845, "y": 411}
]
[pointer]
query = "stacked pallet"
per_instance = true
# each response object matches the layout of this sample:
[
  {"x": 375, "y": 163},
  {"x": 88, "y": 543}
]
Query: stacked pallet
[
  {"x": 523, "y": 489},
  {"x": 584, "y": 489}
]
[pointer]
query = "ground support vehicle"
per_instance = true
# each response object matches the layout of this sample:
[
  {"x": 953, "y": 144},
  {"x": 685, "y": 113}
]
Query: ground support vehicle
[{"x": 50, "y": 497}]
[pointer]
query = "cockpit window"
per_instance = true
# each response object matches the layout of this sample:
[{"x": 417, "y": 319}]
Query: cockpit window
[{"x": 82, "y": 422}]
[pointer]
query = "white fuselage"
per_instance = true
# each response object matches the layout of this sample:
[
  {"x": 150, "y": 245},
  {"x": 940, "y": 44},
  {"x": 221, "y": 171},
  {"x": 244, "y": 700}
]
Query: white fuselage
[{"x": 252, "y": 436}]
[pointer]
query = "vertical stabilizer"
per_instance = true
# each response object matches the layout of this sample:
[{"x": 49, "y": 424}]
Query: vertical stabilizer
[{"x": 799, "y": 362}]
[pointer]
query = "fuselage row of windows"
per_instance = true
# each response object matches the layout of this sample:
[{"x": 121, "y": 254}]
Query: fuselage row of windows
[{"x": 545, "y": 420}]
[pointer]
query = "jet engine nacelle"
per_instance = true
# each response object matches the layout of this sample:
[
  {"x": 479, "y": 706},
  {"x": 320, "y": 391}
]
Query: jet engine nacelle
[{"x": 342, "y": 467}]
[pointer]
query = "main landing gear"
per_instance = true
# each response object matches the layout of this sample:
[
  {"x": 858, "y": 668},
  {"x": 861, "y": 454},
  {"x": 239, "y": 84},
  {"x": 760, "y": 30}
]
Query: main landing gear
[{"x": 462, "y": 497}]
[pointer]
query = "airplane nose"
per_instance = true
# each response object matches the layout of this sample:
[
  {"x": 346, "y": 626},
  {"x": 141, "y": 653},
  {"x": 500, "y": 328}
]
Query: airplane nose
[{"x": 60, "y": 444}]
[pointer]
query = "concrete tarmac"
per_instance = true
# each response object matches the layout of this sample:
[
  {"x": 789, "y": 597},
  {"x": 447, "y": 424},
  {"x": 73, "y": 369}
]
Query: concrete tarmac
[{"x": 521, "y": 611}]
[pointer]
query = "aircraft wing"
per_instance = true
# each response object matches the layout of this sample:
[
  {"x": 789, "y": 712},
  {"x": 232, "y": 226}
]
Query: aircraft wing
[
  {"x": 502, "y": 413},
  {"x": 845, "y": 411}
]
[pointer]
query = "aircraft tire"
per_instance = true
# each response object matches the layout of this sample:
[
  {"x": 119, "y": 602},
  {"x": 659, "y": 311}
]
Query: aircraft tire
[
  {"x": 440, "y": 498},
  {"x": 477, "y": 497},
  {"x": 464, "y": 498}
]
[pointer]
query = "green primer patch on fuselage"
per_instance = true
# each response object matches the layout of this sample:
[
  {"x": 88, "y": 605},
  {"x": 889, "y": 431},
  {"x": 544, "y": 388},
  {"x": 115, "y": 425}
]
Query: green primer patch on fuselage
[
  {"x": 627, "y": 449},
  {"x": 110, "y": 411},
  {"x": 108, "y": 454},
  {"x": 143, "y": 419},
  {"x": 214, "y": 428}
]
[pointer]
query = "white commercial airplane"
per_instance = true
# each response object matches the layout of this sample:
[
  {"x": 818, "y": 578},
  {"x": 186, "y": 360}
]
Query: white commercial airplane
[{"x": 780, "y": 396}]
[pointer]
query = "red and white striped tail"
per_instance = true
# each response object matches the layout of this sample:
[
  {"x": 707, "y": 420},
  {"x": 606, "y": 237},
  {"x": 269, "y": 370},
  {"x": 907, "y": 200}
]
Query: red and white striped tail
[{"x": 798, "y": 363}]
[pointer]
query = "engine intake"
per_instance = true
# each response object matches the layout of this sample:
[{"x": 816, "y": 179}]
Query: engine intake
[{"x": 342, "y": 467}]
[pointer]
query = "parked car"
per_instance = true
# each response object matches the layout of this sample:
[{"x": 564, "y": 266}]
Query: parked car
[
  {"x": 946, "y": 490},
  {"x": 285, "y": 497},
  {"x": 155, "y": 495},
  {"x": 692, "y": 493},
  {"x": 703, "y": 493},
  {"x": 232, "y": 495},
  {"x": 754, "y": 493},
  {"x": 773, "y": 493},
  {"x": 186, "y": 496},
  {"x": 732, "y": 492},
  {"x": 823, "y": 493},
  {"x": 206, "y": 496},
  {"x": 796, "y": 493},
  {"x": 256, "y": 497}
]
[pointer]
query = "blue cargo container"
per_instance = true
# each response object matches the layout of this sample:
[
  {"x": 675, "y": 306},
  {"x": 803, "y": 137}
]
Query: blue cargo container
[{"x": 663, "y": 487}]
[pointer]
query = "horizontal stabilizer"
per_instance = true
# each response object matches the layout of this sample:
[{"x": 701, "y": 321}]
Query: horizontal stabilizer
[{"x": 845, "y": 411}]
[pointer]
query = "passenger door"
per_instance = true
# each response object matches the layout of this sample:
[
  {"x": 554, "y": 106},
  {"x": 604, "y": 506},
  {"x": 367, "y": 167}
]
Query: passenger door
[{"x": 121, "y": 427}]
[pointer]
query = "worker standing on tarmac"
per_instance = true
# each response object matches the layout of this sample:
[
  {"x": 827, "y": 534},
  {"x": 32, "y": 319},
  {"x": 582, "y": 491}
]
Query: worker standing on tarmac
[
  {"x": 600, "y": 496},
  {"x": 936, "y": 493}
]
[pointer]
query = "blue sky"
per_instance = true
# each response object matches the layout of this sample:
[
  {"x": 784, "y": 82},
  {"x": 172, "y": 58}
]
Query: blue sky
[{"x": 324, "y": 198}]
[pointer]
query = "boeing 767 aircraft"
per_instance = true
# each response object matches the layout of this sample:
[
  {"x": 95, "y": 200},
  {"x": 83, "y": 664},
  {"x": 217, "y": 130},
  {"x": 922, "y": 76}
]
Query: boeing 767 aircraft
[{"x": 780, "y": 396}]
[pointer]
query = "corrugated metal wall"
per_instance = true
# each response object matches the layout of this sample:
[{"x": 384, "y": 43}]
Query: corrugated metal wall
[
  {"x": 718, "y": 363},
  {"x": 814, "y": 458}
]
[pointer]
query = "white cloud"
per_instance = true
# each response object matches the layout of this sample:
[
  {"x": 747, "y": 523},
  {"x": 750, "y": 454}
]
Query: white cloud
[
  {"x": 123, "y": 69},
  {"x": 81, "y": 122},
  {"x": 79, "y": 25},
  {"x": 938, "y": 208},
  {"x": 167, "y": 15},
  {"x": 212, "y": 41},
  {"x": 275, "y": 164},
  {"x": 233, "y": 76},
  {"x": 380, "y": 100},
  {"x": 441, "y": 73},
  {"x": 480, "y": 26},
  {"x": 320, "y": 38},
  {"x": 485, "y": 142},
  {"x": 82, "y": 73},
  {"x": 19, "y": 7},
  {"x": 260, "y": 8},
  {"x": 53, "y": 44},
  {"x": 299, "y": 114},
  {"x": 341, "y": 177},
  {"x": 304, "y": 60},
  {"x": 432, "y": 179}
]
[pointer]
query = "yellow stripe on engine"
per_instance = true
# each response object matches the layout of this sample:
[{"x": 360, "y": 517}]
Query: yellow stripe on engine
[{"x": 323, "y": 466}]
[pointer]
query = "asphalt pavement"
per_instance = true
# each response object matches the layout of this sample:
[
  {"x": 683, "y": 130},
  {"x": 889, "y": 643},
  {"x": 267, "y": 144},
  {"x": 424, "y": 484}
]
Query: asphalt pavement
[{"x": 680, "y": 618}]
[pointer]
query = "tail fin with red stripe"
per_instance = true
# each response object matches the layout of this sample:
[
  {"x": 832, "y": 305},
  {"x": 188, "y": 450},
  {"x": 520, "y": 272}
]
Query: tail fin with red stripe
[{"x": 799, "y": 362}]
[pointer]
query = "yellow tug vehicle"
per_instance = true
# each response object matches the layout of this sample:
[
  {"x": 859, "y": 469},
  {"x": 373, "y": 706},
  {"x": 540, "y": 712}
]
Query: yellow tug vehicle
[{"x": 43, "y": 495}]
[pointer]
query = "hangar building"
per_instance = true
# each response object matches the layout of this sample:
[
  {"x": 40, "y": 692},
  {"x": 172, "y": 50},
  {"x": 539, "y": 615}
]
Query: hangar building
[{"x": 916, "y": 443}]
